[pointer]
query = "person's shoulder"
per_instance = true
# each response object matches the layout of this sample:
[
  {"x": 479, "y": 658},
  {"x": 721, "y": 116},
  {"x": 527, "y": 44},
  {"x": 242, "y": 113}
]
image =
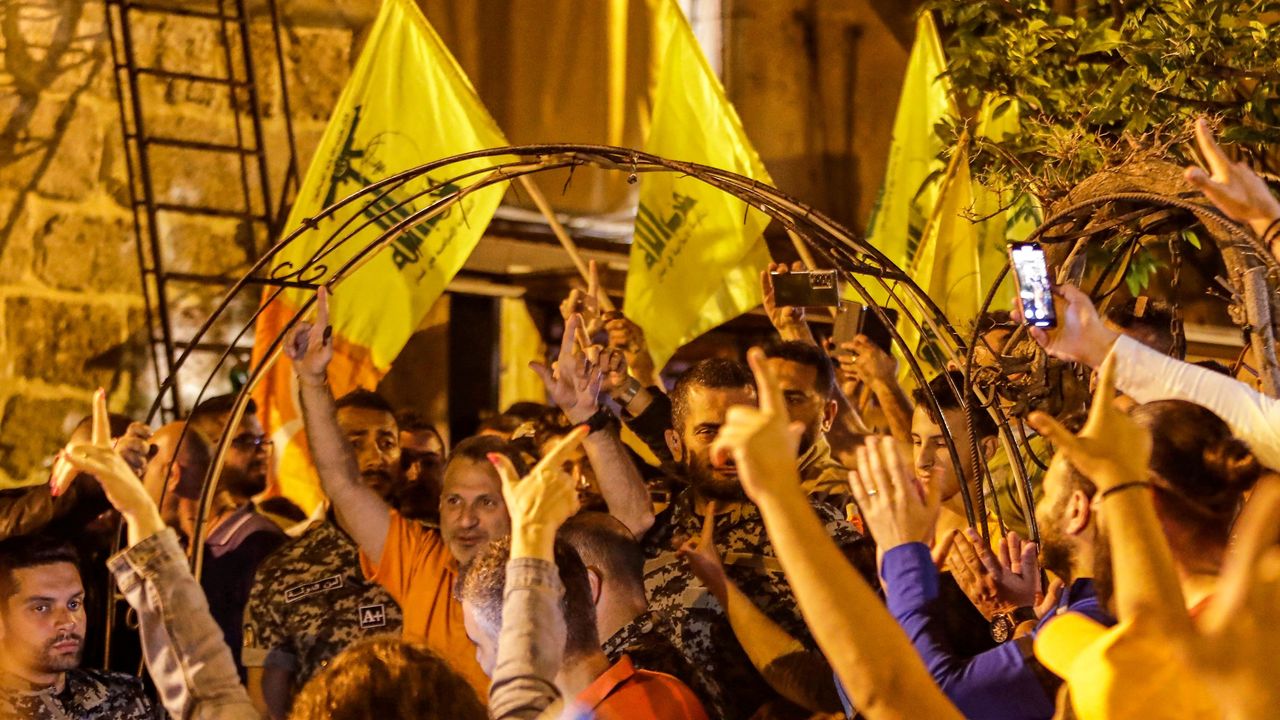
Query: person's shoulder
[{"x": 116, "y": 683}]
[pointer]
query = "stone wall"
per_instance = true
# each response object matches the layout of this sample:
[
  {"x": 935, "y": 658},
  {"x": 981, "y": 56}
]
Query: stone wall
[{"x": 72, "y": 313}]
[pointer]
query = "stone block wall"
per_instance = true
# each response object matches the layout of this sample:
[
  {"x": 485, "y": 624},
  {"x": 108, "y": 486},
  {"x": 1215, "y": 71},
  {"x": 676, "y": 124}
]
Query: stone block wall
[{"x": 72, "y": 312}]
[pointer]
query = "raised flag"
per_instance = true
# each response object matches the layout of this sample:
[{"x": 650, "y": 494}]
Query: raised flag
[
  {"x": 697, "y": 252},
  {"x": 407, "y": 103}
]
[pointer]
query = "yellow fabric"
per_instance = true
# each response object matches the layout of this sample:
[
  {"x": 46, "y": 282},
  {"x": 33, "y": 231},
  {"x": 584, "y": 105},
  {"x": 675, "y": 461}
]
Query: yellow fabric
[
  {"x": 698, "y": 252},
  {"x": 520, "y": 343},
  {"x": 406, "y": 103},
  {"x": 1128, "y": 672},
  {"x": 905, "y": 201}
]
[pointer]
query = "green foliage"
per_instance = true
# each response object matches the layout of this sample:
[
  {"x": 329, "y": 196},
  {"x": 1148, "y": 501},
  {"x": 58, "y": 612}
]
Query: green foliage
[{"x": 1113, "y": 81}]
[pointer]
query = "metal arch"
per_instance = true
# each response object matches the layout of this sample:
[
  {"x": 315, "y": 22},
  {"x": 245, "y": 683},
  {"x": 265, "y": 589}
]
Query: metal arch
[{"x": 852, "y": 256}]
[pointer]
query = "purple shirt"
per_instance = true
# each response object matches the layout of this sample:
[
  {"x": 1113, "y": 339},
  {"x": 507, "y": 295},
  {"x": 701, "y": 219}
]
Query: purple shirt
[{"x": 1002, "y": 683}]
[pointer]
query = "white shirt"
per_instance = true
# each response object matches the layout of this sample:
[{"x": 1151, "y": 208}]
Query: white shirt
[{"x": 1147, "y": 375}]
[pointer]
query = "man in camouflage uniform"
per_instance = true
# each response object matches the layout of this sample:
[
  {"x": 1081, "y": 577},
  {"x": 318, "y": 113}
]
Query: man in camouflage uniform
[
  {"x": 700, "y": 400},
  {"x": 42, "y": 628},
  {"x": 310, "y": 599}
]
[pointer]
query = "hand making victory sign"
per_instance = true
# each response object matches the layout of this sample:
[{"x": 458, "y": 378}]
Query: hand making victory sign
[
  {"x": 1233, "y": 187},
  {"x": 573, "y": 381}
]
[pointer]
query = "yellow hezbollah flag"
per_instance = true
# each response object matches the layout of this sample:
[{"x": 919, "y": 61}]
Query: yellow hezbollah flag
[
  {"x": 698, "y": 252},
  {"x": 407, "y": 103},
  {"x": 909, "y": 194},
  {"x": 963, "y": 247}
]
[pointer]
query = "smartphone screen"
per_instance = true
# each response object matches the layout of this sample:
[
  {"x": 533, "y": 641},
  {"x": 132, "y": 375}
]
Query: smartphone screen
[
  {"x": 819, "y": 288},
  {"x": 1035, "y": 289}
]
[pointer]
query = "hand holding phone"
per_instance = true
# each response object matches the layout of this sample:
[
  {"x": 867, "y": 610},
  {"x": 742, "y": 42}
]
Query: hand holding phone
[{"x": 1035, "y": 287}]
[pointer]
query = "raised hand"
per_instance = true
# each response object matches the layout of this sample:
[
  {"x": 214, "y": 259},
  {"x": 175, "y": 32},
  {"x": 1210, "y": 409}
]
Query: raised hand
[
  {"x": 786, "y": 317},
  {"x": 120, "y": 482},
  {"x": 761, "y": 440},
  {"x": 310, "y": 345},
  {"x": 703, "y": 557},
  {"x": 587, "y": 304},
  {"x": 997, "y": 584},
  {"x": 863, "y": 360},
  {"x": 541, "y": 501},
  {"x": 613, "y": 367},
  {"x": 64, "y": 471},
  {"x": 896, "y": 507},
  {"x": 1080, "y": 336},
  {"x": 1238, "y": 633},
  {"x": 573, "y": 381},
  {"x": 1112, "y": 448},
  {"x": 1233, "y": 187},
  {"x": 628, "y": 337}
]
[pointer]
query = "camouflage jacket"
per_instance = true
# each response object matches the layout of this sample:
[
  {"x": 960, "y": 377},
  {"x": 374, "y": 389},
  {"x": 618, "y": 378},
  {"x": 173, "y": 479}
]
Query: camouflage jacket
[
  {"x": 648, "y": 641},
  {"x": 85, "y": 695},
  {"x": 703, "y": 634},
  {"x": 310, "y": 600}
]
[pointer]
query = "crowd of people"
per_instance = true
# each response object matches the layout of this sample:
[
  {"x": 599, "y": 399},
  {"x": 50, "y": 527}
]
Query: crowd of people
[{"x": 790, "y": 537}]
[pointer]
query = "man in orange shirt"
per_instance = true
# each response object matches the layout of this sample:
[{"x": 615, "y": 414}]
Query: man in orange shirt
[
  {"x": 415, "y": 563},
  {"x": 527, "y": 597}
]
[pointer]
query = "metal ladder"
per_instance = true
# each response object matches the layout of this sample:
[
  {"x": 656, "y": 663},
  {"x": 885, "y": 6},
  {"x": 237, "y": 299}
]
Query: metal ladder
[{"x": 229, "y": 21}]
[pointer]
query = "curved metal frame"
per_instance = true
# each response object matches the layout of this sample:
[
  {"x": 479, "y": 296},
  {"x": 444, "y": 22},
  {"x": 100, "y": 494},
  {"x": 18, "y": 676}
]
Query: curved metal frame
[{"x": 857, "y": 262}]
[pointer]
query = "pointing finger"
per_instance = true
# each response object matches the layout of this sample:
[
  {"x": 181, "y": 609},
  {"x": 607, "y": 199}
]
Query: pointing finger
[
  {"x": 101, "y": 434},
  {"x": 771, "y": 401},
  {"x": 1213, "y": 154},
  {"x": 707, "y": 538},
  {"x": 555, "y": 457}
]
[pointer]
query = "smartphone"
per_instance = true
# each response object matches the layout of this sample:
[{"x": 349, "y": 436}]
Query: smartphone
[
  {"x": 854, "y": 320},
  {"x": 1035, "y": 288},
  {"x": 817, "y": 288}
]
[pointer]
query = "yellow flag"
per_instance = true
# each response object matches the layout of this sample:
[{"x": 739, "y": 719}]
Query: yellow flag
[
  {"x": 906, "y": 199},
  {"x": 698, "y": 252},
  {"x": 407, "y": 103}
]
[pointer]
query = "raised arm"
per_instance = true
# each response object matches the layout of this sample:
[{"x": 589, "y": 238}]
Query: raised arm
[
  {"x": 573, "y": 384},
  {"x": 531, "y": 642},
  {"x": 861, "y": 359},
  {"x": 798, "y": 674},
  {"x": 183, "y": 646},
  {"x": 1146, "y": 375},
  {"x": 870, "y": 654},
  {"x": 361, "y": 512}
]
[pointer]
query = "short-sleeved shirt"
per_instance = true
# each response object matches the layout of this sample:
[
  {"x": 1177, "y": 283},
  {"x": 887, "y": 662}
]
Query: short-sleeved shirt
[
  {"x": 84, "y": 695},
  {"x": 704, "y": 633},
  {"x": 419, "y": 571},
  {"x": 624, "y": 693},
  {"x": 310, "y": 601}
]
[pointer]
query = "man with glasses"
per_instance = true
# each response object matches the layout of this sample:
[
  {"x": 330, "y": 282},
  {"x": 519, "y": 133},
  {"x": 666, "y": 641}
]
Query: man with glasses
[{"x": 236, "y": 537}]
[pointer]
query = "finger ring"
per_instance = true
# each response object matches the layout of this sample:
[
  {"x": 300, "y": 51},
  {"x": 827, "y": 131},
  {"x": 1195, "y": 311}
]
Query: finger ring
[{"x": 872, "y": 493}]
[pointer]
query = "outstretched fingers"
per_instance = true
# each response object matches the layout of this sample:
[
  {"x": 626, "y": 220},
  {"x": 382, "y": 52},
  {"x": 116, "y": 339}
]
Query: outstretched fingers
[{"x": 101, "y": 429}]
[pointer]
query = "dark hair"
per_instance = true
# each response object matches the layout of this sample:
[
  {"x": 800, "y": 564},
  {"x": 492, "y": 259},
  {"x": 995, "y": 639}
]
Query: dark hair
[
  {"x": 412, "y": 421},
  {"x": 1202, "y": 470},
  {"x": 713, "y": 373},
  {"x": 477, "y": 448},
  {"x": 602, "y": 541},
  {"x": 1148, "y": 321},
  {"x": 803, "y": 353},
  {"x": 481, "y": 583},
  {"x": 940, "y": 387},
  {"x": 528, "y": 411},
  {"x": 387, "y": 677},
  {"x": 28, "y": 551},
  {"x": 118, "y": 423},
  {"x": 363, "y": 399},
  {"x": 501, "y": 423},
  {"x": 219, "y": 405}
]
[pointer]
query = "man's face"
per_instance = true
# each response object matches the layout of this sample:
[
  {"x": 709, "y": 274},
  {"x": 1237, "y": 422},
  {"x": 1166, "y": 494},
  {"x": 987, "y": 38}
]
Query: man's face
[
  {"x": 482, "y": 635},
  {"x": 43, "y": 623},
  {"x": 421, "y": 455},
  {"x": 472, "y": 511},
  {"x": 579, "y": 468},
  {"x": 1056, "y": 545},
  {"x": 376, "y": 440},
  {"x": 989, "y": 346},
  {"x": 707, "y": 408},
  {"x": 244, "y": 472},
  {"x": 932, "y": 456},
  {"x": 805, "y": 403}
]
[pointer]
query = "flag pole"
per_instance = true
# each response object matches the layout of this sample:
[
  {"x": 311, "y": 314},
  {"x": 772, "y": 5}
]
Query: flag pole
[{"x": 562, "y": 235}]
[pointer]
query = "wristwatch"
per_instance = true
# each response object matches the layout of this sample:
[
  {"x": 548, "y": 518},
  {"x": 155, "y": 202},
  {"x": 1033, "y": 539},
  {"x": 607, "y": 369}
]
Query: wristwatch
[
  {"x": 628, "y": 392},
  {"x": 599, "y": 421},
  {"x": 1004, "y": 624}
]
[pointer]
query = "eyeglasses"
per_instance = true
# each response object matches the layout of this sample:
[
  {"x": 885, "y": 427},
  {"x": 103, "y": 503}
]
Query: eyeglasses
[{"x": 252, "y": 442}]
